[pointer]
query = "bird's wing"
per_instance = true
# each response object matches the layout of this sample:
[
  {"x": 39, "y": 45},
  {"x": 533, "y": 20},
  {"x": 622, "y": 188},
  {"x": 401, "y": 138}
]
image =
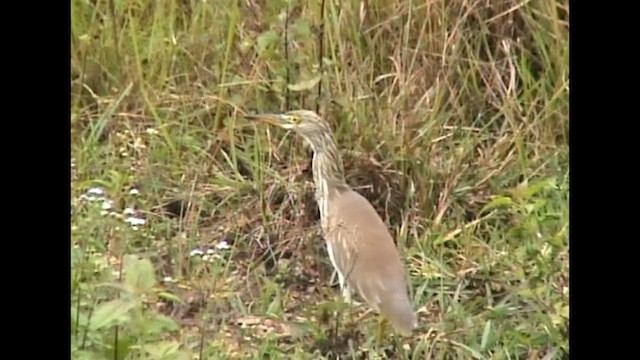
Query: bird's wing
[{"x": 367, "y": 256}]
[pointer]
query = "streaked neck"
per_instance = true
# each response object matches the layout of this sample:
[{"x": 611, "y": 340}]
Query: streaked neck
[
  {"x": 328, "y": 173},
  {"x": 327, "y": 163}
]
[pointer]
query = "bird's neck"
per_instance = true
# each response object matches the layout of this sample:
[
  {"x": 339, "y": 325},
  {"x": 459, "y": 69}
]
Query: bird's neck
[
  {"x": 328, "y": 172},
  {"x": 327, "y": 167}
]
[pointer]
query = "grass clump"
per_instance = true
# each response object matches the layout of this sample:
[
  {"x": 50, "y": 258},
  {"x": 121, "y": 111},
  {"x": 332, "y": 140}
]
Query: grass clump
[{"x": 194, "y": 234}]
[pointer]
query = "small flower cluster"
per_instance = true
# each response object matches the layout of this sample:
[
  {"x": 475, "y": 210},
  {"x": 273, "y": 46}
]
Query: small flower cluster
[
  {"x": 129, "y": 215},
  {"x": 130, "y": 143},
  {"x": 211, "y": 255}
]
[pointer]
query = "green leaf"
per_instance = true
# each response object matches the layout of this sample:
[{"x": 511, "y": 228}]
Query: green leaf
[
  {"x": 500, "y": 201},
  {"x": 110, "y": 313},
  {"x": 561, "y": 314},
  {"x": 124, "y": 347},
  {"x": 499, "y": 312},
  {"x": 525, "y": 191},
  {"x": 139, "y": 273},
  {"x": 160, "y": 324},
  {"x": 561, "y": 237},
  {"x": 486, "y": 336},
  {"x": 124, "y": 288},
  {"x": 473, "y": 352},
  {"x": 305, "y": 84},
  {"x": 87, "y": 355},
  {"x": 461, "y": 190},
  {"x": 78, "y": 317},
  {"x": 535, "y": 206},
  {"x": 302, "y": 29},
  {"x": 162, "y": 349},
  {"x": 96, "y": 128},
  {"x": 170, "y": 297},
  {"x": 275, "y": 307},
  {"x": 266, "y": 39},
  {"x": 538, "y": 186}
]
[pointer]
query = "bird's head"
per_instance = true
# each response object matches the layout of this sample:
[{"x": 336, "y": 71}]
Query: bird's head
[{"x": 304, "y": 122}]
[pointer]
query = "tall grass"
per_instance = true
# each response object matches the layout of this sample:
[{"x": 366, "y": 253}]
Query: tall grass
[{"x": 453, "y": 120}]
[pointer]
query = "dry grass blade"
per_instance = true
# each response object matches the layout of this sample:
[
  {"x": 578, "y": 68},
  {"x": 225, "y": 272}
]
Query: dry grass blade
[{"x": 441, "y": 111}]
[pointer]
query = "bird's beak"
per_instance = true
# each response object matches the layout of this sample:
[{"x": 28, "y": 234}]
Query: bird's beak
[{"x": 273, "y": 119}]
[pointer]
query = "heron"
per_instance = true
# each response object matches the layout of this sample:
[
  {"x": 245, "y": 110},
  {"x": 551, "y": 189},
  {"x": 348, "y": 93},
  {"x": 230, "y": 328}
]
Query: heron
[{"x": 359, "y": 245}]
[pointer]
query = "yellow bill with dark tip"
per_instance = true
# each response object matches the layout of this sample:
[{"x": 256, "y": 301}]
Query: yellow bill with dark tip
[{"x": 273, "y": 119}]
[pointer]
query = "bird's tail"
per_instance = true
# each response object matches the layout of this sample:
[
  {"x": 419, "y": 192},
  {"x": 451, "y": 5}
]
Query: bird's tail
[{"x": 400, "y": 313}]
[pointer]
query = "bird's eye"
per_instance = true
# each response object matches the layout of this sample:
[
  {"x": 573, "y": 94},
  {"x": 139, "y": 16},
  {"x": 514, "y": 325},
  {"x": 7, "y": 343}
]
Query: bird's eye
[{"x": 294, "y": 119}]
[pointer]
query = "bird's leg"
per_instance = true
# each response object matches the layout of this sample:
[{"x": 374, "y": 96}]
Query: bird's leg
[
  {"x": 380, "y": 330},
  {"x": 344, "y": 287},
  {"x": 346, "y": 291},
  {"x": 346, "y": 294}
]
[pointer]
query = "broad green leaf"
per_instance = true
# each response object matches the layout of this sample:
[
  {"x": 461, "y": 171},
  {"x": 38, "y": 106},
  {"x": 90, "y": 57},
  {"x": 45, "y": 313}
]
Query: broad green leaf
[
  {"x": 125, "y": 345},
  {"x": 140, "y": 274},
  {"x": 110, "y": 313},
  {"x": 305, "y": 84},
  {"x": 79, "y": 318},
  {"x": 160, "y": 324},
  {"x": 501, "y": 201},
  {"x": 302, "y": 29},
  {"x": 162, "y": 349},
  {"x": 266, "y": 39}
]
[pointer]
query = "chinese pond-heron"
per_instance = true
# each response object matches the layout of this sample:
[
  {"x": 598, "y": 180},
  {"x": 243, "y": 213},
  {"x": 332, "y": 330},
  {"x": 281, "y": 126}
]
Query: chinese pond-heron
[{"x": 360, "y": 246}]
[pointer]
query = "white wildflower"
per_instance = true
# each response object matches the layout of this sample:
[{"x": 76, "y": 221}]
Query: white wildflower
[
  {"x": 152, "y": 131},
  {"x": 90, "y": 197},
  {"x": 139, "y": 144},
  {"x": 210, "y": 251},
  {"x": 196, "y": 252},
  {"x": 135, "y": 221},
  {"x": 134, "y": 192},
  {"x": 104, "y": 213},
  {"x": 95, "y": 191},
  {"x": 223, "y": 245},
  {"x": 107, "y": 204},
  {"x": 129, "y": 211},
  {"x": 93, "y": 194}
]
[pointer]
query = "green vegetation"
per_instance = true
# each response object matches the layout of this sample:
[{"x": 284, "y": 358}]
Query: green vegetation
[{"x": 453, "y": 119}]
